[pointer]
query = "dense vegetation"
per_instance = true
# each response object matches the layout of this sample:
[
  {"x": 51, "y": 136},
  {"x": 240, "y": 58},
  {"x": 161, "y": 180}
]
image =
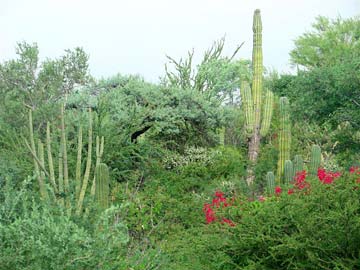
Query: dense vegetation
[{"x": 217, "y": 166}]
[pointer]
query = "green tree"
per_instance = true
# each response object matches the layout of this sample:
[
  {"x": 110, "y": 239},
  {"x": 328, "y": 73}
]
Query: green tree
[{"x": 330, "y": 42}]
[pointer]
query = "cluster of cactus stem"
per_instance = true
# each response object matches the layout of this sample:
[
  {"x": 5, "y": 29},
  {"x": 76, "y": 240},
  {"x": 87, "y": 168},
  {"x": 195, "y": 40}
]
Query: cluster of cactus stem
[
  {"x": 257, "y": 104},
  {"x": 284, "y": 137},
  {"x": 60, "y": 187}
]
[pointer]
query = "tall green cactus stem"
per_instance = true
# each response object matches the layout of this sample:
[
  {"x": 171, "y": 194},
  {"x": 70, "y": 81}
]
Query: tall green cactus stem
[
  {"x": 256, "y": 96},
  {"x": 65, "y": 160},
  {"x": 61, "y": 176},
  {"x": 267, "y": 112},
  {"x": 99, "y": 154},
  {"x": 298, "y": 163},
  {"x": 87, "y": 169},
  {"x": 78, "y": 164},
  {"x": 315, "y": 159},
  {"x": 102, "y": 185},
  {"x": 289, "y": 172},
  {"x": 270, "y": 180},
  {"x": 257, "y": 61},
  {"x": 36, "y": 160},
  {"x": 50, "y": 158},
  {"x": 247, "y": 103},
  {"x": 42, "y": 173},
  {"x": 284, "y": 136}
]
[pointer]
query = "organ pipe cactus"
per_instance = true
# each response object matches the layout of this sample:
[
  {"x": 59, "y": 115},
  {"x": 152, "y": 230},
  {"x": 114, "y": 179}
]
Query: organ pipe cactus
[
  {"x": 256, "y": 124},
  {"x": 102, "y": 185},
  {"x": 284, "y": 136},
  {"x": 298, "y": 163},
  {"x": 315, "y": 159},
  {"x": 60, "y": 185},
  {"x": 289, "y": 171},
  {"x": 270, "y": 180}
]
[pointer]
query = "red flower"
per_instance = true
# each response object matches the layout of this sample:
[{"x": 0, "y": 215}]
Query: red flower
[
  {"x": 228, "y": 221},
  {"x": 262, "y": 199},
  {"x": 219, "y": 194},
  {"x": 300, "y": 176},
  {"x": 209, "y": 213},
  {"x": 321, "y": 174},
  {"x": 290, "y": 191},
  {"x": 353, "y": 169},
  {"x": 278, "y": 190}
]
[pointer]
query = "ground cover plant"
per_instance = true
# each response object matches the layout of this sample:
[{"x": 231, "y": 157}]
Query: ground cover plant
[{"x": 217, "y": 166}]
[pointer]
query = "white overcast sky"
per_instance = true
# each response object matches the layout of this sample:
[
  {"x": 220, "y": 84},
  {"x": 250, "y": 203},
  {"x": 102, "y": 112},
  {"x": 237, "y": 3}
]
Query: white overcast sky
[{"x": 133, "y": 36}]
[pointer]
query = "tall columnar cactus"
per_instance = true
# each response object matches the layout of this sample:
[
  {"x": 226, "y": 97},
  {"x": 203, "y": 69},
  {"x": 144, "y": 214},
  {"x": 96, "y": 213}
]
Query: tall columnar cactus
[
  {"x": 257, "y": 125},
  {"x": 315, "y": 159},
  {"x": 298, "y": 163},
  {"x": 102, "y": 185},
  {"x": 289, "y": 172},
  {"x": 61, "y": 185},
  {"x": 270, "y": 180},
  {"x": 284, "y": 136}
]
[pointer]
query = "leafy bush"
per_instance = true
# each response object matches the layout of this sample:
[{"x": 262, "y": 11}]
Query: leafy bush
[{"x": 305, "y": 230}]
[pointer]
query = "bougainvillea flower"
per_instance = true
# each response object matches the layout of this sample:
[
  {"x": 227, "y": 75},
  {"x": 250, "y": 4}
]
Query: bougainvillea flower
[
  {"x": 321, "y": 173},
  {"x": 290, "y": 191},
  {"x": 278, "y": 190},
  {"x": 353, "y": 169},
  {"x": 219, "y": 194}
]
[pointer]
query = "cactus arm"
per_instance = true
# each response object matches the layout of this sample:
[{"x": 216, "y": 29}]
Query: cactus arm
[
  {"x": 284, "y": 136},
  {"x": 78, "y": 164},
  {"x": 61, "y": 175},
  {"x": 289, "y": 171},
  {"x": 267, "y": 112},
  {"x": 65, "y": 168},
  {"x": 43, "y": 190},
  {"x": 270, "y": 180},
  {"x": 102, "y": 185},
  {"x": 87, "y": 170},
  {"x": 99, "y": 154},
  {"x": 315, "y": 159},
  {"x": 50, "y": 159},
  {"x": 247, "y": 103}
]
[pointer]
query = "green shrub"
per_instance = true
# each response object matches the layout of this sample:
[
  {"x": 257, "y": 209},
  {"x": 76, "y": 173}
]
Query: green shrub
[{"x": 318, "y": 230}]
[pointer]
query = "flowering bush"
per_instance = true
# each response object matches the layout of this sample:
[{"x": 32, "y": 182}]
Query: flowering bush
[
  {"x": 320, "y": 230},
  {"x": 300, "y": 184},
  {"x": 218, "y": 202}
]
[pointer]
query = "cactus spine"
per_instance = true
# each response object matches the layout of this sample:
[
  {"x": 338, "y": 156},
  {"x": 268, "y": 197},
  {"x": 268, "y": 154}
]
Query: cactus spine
[
  {"x": 289, "y": 171},
  {"x": 270, "y": 180},
  {"x": 298, "y": 163},
  {"x": 102, "y": 185},
  {"x": 315, "y": 159},
  {"x": 253, "y": 100},
  {"x": 284, "y": 137}
]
